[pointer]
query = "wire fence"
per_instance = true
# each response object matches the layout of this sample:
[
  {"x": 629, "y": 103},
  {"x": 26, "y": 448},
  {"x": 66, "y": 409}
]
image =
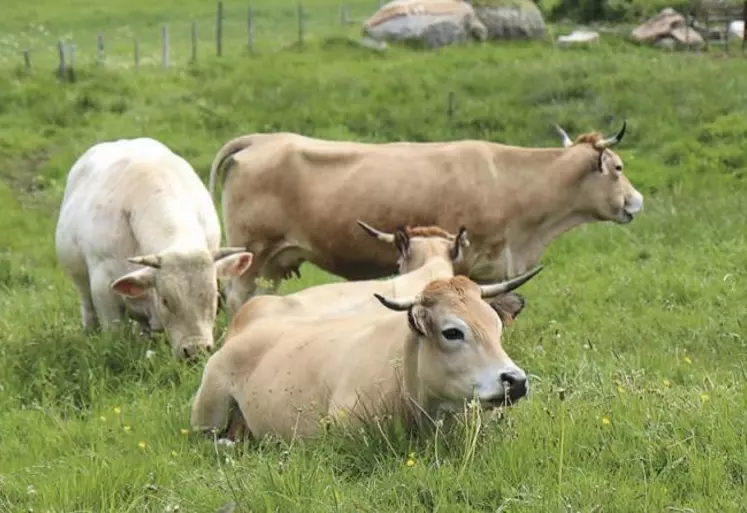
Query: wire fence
[{"x": 229, "y": 31}]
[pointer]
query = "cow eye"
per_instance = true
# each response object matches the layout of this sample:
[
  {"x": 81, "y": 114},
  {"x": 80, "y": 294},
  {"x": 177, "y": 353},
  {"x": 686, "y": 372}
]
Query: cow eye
[{"x": 452, "y": 334}]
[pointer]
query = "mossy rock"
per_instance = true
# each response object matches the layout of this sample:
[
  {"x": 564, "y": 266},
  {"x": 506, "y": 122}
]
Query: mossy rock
[{"x": 510, "y": 19}]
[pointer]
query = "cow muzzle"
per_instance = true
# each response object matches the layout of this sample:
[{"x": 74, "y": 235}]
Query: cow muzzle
[
  {"x": 633, "y": 205},
  {"x": 191, "y": 349},
  {"x": 514, "y": 386}
]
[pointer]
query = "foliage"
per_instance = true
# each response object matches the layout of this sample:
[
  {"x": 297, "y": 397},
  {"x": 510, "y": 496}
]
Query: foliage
[
  {"x": 614, "y": 10},
  {"x": 633, "y": 336}
]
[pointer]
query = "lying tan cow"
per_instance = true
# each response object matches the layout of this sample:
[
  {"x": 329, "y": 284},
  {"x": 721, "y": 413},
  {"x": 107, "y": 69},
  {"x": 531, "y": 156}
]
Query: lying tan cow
[
  {"x": 290, "y": 198},
  {"x": 425, "y": 253},
  {"x": 285, "y": 374}
]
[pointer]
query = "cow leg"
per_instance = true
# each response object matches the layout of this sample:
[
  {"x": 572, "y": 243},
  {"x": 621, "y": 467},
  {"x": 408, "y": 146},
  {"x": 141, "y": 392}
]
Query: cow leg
[
  {"x": 108, "y": 306},
  {"x": 87, "y": 311},
  {"x": 212, "y": 404}
]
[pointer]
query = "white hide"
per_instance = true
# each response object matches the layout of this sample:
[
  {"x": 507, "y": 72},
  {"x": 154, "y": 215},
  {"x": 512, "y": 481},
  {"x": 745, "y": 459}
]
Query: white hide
[{"x": 128, "y": 198}]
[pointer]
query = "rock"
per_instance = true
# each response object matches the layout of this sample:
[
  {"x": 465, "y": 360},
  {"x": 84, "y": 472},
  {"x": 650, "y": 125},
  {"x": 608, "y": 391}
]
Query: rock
[
  {"x": 736, "y": 30},
  {"x": 430, "y": 23},
  {"x": 579, "y": 37},
  {"x": 687, "y": 36},
  {"x": 510, "y": 19},
  {"x": 659, "y": 26},
  {"x": 666, "y": 43}
]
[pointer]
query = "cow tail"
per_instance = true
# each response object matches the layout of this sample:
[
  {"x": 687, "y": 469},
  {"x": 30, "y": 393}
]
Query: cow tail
[{"x": 228, "y": 150}]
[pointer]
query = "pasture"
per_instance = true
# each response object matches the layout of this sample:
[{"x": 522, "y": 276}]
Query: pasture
[{"x": 633, "y": 336}]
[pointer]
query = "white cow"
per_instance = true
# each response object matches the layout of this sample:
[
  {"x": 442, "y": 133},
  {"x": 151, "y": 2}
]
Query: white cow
[{"x": 139, "y": 236}]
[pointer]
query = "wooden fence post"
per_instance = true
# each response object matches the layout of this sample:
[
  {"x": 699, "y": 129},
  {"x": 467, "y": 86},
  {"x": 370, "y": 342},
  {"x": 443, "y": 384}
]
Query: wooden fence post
[
  {"x": 194, "y": 41},
  {"x": 27, "y": 60},
  {"x": 219, "y": 29},
  {"x": 136, "y": 53},
  {"x": 300, "y": 23},
  {"x": 451, "y": 106},
  {"x": 165, "y": 46},
  {"x": 344, "y": 14},
  {"x": 61, "y": 53},
  {"x": 744, "y": 24},
  {"x": 71, "y": 63},
  {"x": 250, "y": 28},
  {"x": 100, "y": 49}
]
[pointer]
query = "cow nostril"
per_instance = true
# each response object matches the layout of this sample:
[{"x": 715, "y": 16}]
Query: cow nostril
[{"x": 517, "y": 384}]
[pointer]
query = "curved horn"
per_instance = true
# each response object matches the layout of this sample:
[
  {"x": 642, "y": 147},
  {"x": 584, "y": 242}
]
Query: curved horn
[
  {"x": 384, "y": 237},
  {"x": 487, "y": 291},
  {"x": 224, "y": 252},
  {"x": 611, "y": 141},
  {"x": 153, "y": 261},
  {"x": 397, "y": 304},
  {"x": 563, "y": 135}
]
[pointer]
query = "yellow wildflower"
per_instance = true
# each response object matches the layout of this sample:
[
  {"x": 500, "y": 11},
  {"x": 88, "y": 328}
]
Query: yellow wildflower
[
  {"x": 127, "y": 428},
  {"x": 173, "y": 453},
  {"x": 606, "y": 421},
  {"x": 688, "y": 360},
  {"x": 410, "y": 459},
  {"x": 102, "y": 418},
  {"x": 621, "y": 390},
  {"x": 184, "y": 431},
  {"x": 667, "y": 383},
  {"x": 704, "y": 397},
  {"x": 117, "y": 410},
  {"x": 141, "y": 445}
]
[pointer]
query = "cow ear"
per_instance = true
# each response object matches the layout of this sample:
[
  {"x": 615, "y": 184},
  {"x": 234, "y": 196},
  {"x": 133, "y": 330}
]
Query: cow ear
[
  {"x": 135, "y": 284},
  {"x": 402, "y": 241},
  {"x": 508, "y": 306},
  {"x": 461, "y": 242},
  {"x": 233, "y": 265},
  {"x": 416, "y": 319}
]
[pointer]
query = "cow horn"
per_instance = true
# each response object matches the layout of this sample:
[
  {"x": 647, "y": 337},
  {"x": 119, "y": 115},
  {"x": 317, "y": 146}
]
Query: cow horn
[
  {"x": 398, "y": 304},
  {"x": 611, "y": 141},
  {"x": 563, "y": 135},
  {"x": 153, "y": 261},
  {"x": 224, "y": 252},
  {"x": 488, "y": 291},
  {"x": 384, "y": 237}
]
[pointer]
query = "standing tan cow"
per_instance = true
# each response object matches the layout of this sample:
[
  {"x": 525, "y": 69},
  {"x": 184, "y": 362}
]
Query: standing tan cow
[
  {"x": 284, "y": 374},
  {"x": 290, "y": 198}
]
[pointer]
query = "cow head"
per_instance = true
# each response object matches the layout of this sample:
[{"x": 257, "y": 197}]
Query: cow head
[
  {"x": 182, "y": 292},
  {"x": 459, "y": 352},
  {"x": 606, "y": 194},
  {"x": 416, "y": 245}
]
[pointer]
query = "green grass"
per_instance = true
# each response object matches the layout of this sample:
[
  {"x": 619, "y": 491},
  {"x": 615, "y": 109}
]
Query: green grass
[{"x": 641, "y": 325}]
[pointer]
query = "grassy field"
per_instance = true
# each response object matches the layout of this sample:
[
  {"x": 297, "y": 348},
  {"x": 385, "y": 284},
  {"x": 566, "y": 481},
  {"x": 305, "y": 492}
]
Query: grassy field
[{"x": 634, "y": 336}]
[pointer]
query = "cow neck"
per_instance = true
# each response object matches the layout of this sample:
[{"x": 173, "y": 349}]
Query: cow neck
[
  {"x": 417, "y": 404},
  {"x": 434, "y": 268},
  {"x": 546, "y": 208}
]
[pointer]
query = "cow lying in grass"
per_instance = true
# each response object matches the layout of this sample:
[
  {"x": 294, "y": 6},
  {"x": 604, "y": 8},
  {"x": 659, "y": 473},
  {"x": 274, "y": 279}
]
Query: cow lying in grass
[
  {"x": 424, "y": 253},
  {"x": 139, "y": 237},
  {"x": 434, "y": 352}
]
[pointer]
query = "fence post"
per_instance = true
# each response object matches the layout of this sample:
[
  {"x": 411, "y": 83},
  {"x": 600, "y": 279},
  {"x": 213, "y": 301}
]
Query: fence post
[
  {"x": 27, "y": 60},
  {"x": 744, "y": 26},
  {"x": 344, "y": 14},
  {"x": 71, "y": 64},
  {"x": 250, "y": 28},
  {"x": 61, "y": 53},
  {"x": 100, "y": 49},
  {"x": 165, "y": 46},
  {"x": 136, "y": 53},
  {"x": 194, "y": 41},
  {"x": 380, "y": 3},
  {"x": 451, "y": 106},
  {"x": 219, "y": 29},
  {"x": 300, "y": 23}
]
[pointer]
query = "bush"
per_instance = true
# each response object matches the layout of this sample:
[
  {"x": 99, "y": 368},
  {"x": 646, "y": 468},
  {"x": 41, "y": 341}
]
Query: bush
[{"x": 585, "y": 11}]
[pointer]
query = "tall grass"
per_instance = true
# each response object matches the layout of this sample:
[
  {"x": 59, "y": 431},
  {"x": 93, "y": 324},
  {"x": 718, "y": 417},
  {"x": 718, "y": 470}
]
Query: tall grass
[{"x": 633, "y": 336}]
